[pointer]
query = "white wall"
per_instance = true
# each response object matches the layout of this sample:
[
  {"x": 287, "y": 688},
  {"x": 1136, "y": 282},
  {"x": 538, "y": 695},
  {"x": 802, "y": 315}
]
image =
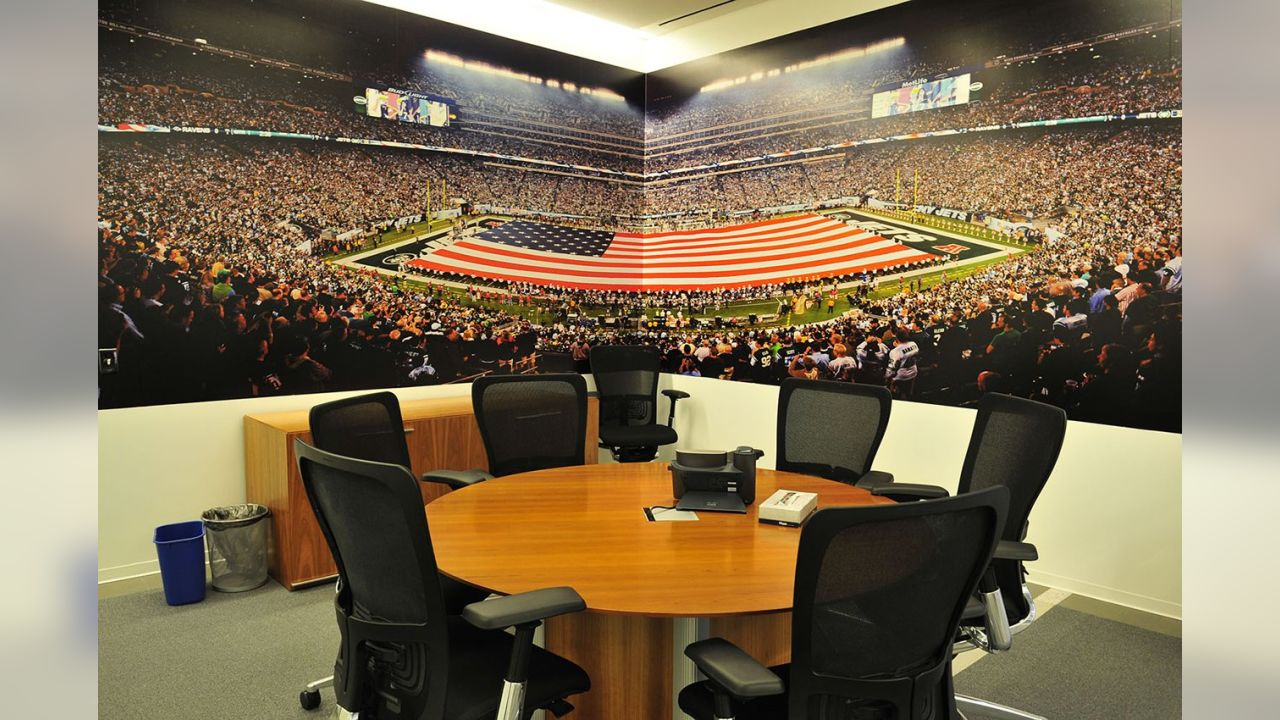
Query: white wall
[
  {"x": 170, "y": 463},
  {"x": 1108, "y": 524}
]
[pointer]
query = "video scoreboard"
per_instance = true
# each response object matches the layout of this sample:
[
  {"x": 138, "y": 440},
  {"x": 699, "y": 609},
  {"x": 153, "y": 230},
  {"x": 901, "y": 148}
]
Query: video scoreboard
[
  {"x": 406, "y": 106},
  {"x": 921, "y": 95}
]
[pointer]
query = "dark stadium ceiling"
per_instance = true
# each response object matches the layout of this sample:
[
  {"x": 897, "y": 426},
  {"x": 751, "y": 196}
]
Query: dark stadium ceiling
[{"x": 640, "y": 36}]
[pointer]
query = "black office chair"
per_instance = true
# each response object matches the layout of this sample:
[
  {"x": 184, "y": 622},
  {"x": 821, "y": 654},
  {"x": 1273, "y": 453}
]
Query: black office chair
[
  {"x": 879, "y": 591},
  {"x": 553, "y": 362},
  {"x": 627, "y": 383},
  {"x": 1014, "y": 445},
  {"x": 832, "y": 429},
  {"x": 527, "y": 422},
  {"x": 370, "y": 427},
  {"x": 401, "y": 654}
]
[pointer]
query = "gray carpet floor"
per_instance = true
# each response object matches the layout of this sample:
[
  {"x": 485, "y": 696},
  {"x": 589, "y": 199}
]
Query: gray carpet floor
[
  {"x": 247, "y": 655},
  {"x": 1070, "y": 664},
  {"x": 241, "y": 655}
]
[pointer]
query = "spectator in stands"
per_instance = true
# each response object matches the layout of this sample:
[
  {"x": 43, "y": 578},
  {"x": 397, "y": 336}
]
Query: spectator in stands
[{"x": 903, "y": 359}]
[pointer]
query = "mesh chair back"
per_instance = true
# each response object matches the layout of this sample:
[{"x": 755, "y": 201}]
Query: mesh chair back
[
  {"x": 531, "y": 422},
  {"x": 553, "y": 362},
  {"x": 879, "y": 593},
  {"x": 1015, "y": 444},
  {"x": 390, "y": 608},
  {"x": 368, "y": 427},
  {"x": 627, "y": 383},
  {"x": 830, "y": 429}
]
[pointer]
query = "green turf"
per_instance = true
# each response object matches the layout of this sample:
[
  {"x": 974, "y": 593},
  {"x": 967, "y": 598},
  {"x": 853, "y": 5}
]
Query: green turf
[
  {"x": 393, "y": 236},
  {"x": 958, "y": 227}
]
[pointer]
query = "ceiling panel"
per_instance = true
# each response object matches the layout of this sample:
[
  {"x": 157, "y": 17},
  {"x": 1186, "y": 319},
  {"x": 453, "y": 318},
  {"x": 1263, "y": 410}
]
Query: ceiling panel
[
  {"x": 626, "y": 33},
  {"x": 651, "y": 14}
]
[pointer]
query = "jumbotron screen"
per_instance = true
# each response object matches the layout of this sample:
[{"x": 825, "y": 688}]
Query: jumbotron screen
[
  {"x": 921, "y": 96},
  {"x": 405, "y": 106}
]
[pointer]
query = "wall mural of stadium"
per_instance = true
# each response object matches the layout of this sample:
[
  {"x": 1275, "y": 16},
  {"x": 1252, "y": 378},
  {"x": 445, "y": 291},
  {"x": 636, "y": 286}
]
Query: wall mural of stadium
[{"x": 948, "y": 198}]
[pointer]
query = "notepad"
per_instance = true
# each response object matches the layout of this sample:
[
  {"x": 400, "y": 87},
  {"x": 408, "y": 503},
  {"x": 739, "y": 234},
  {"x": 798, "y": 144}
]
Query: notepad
[{"x": 665, "y": 514}]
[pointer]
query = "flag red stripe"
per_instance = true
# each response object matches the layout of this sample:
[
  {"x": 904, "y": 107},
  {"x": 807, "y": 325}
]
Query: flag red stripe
[
  {"x": 649, "y": 243},
  {"x": 644, "y": 273},
  {"x": 749, "y": 244},
  {"x": 712, "y": 260},
  {"x": 607, "y": 284}
]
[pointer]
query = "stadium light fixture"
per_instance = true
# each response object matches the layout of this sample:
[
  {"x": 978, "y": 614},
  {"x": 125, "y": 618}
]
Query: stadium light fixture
[
  {"x": 443, "y": 58},
  {"x": 849, "y": 54}
]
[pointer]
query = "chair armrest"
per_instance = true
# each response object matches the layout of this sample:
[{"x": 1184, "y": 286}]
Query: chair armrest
[
  {"x": 673, "y": 395},
  {"x": 524, "y": 608},
  {"x": 874, "y": 479},
  {"x": 1010, "y": 550},
  {"x": 734, "y": 670},
  {"x": 456, "y": 479},
  {"x": 909, "y": 491}
]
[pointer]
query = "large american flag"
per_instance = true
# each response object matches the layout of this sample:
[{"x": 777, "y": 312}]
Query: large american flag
[{"x": 806, "y": 246}]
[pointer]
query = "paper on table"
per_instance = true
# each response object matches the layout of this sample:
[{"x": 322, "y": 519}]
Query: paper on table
[{"x": 663, "y": 514}]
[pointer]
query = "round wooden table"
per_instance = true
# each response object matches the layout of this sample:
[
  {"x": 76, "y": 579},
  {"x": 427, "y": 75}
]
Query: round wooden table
[{"x": 650, "y": 587}]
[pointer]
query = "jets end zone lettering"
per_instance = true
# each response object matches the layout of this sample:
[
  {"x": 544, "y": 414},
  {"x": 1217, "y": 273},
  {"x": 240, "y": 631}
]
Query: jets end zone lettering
[{"x": 892, "y": 232}]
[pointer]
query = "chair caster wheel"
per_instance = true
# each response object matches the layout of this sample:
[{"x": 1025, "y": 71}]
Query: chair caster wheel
[{"x": 309, "y": 699}]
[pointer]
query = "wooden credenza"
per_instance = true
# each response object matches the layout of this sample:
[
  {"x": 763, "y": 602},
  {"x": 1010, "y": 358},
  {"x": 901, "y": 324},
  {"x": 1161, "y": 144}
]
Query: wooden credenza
[{"x": 442, "y": 434}]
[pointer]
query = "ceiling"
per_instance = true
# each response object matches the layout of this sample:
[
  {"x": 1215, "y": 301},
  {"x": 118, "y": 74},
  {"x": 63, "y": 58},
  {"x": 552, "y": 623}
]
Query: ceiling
[
  {"x": 656, "y": 16},
  {"x": 641, "y": 36}
]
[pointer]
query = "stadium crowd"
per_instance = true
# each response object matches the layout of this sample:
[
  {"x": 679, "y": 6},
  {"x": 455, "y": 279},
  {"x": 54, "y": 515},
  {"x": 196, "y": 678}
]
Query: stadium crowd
[
  {"x": 195, "y": 260},
  {"x": 813, "y": 108},
  {"x": 172, "y": 88},
  {"x": 1055, "y": 90},
  {"x": 209, "y": 284}
]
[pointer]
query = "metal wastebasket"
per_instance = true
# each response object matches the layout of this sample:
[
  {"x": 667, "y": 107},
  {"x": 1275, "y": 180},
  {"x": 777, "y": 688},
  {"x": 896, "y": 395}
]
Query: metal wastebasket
[{"x": 237, "y": 537}]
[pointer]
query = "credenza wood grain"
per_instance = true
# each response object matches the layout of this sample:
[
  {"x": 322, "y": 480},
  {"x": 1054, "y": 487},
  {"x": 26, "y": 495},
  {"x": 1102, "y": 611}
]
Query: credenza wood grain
[{"x": 441, "y": 433}]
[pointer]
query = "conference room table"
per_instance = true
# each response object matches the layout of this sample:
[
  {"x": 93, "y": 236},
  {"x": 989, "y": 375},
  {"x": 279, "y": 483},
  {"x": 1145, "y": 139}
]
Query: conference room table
[{"x": 651, "y": 587}]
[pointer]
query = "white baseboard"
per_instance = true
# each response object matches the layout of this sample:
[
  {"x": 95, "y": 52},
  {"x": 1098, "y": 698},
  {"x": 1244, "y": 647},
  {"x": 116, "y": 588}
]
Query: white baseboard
[
  {"x": 134, "y": 570},
  {"x": 1110, "y": 595},
  {"x": 128, "y": 572}
]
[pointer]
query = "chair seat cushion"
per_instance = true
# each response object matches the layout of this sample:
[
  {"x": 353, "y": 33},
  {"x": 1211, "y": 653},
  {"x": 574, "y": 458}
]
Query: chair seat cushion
[
  {"x": 697, "y": 700},
  {"x": 637, "y": 436},
  {"x": 479, "y": 665}
]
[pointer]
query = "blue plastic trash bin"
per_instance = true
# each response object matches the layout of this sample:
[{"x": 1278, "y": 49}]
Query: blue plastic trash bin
[{"x": 180, "y": 547}]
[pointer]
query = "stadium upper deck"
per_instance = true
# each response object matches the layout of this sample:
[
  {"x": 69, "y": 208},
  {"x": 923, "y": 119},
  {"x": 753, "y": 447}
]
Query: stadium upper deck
[{"x": 810, "y": 108}]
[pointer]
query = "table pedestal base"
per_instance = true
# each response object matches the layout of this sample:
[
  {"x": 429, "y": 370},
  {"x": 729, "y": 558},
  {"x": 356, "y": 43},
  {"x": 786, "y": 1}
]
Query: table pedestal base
[{"x": 637, "y": 664}]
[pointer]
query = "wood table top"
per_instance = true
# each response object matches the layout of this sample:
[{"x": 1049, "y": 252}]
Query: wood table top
[{"x": 585, "y": 527}]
